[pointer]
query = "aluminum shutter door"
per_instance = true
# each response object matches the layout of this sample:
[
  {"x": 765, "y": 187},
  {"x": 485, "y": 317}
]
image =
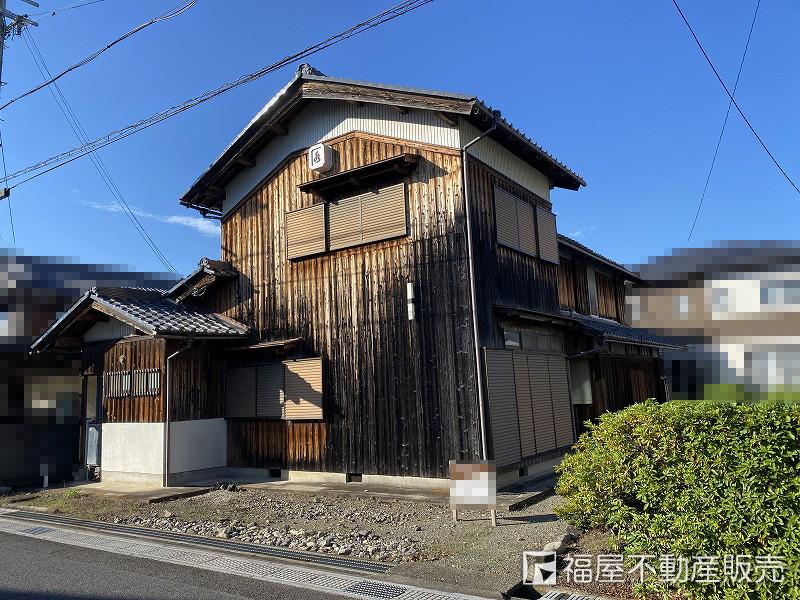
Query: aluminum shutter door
[
  {"x": 562, "y": 406},
  {"x": 505, "y": 215},
  {"x": 538, "y": 371},
  {"x": 305, "y": 231},
  {"x": 344, "y": 222},
  {"x": 503, "y": 406},
  {"x": 303, "y": 389},
  {"x": 269, "y": 391},
  {"x": 548, "y": 239},
  {"x": 527, "y": 436},
  {"x": 240, "y": 392},
  {"x": 383, "y": 213}
]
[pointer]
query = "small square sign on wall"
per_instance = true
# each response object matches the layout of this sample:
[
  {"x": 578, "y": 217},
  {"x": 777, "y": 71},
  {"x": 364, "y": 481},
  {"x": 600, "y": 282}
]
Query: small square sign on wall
[{"x": 320, "y": 158}]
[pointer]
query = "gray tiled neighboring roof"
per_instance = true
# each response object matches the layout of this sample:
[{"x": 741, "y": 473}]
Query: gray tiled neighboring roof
[
  {"x": 163, "y": 316},
  {"x": 619, "y": 332}
]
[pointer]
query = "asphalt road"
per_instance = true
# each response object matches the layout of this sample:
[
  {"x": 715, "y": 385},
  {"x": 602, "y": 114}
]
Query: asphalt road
[{"x": 32, "y": 568}]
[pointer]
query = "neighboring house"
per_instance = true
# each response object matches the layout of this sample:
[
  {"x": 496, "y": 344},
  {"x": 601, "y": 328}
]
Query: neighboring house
[
  {"x": 612, "y": 364},
  {"x": 378, "y": 243},
  {"x": 42, "y": 418},
  {"x": 737, "y": 306}
]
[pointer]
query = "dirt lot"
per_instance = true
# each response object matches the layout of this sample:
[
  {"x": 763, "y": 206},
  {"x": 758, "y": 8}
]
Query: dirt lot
[{"x": 419, "y": 537}]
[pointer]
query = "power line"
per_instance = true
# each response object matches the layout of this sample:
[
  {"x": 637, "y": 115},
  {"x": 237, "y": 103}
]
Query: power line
[
  {"x": 174, "y": 12},
  {"x": 53, "y": 12},
  {"x": 80, "y": 133},
  {"x": 724, "y": 122},
  {"x": 8, "y": 196},
  {"x": 733, "y": 100},
  {"x": 67, "y": 157}
]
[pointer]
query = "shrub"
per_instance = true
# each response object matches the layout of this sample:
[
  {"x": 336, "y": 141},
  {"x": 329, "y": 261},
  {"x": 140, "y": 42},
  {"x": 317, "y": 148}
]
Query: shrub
[
  {"x": 693, "y": 479},
  {"x": 72, "y": 494}
]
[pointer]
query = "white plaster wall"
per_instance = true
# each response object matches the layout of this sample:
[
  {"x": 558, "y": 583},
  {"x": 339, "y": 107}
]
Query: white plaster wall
[
  {"x": 744, "y": 294},
  {"x": 133, "y": 447},
  {"x": 195, "y": 445}
]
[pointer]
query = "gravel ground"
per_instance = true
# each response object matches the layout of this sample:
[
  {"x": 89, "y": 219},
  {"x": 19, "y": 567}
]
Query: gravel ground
[{"x": 419, "y": 538}]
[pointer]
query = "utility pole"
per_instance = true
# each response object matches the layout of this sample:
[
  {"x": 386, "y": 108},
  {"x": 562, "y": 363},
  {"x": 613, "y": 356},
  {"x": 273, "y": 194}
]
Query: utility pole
[{"x": 6, "y": 31}]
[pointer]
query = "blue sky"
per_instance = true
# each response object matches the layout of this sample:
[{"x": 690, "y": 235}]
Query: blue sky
[{"x": 616, "y": 90}]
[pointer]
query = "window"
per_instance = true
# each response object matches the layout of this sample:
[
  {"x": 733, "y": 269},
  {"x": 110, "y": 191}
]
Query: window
[
  {"x": 533, "y": 341},
  {"x": 781, "y": 293},
  {"x": 290, "y": 390},
  {"x": 117, "y": 384},
  {"x": 720, "y": 300},
  {"x": 368, "y": 217},
  {"x": 606, "y": 296},
  {"x": 146, "y": 382},
  {"x": 682, "y": 307},
  {"x": 512, "y": 339},
  {"x": 305, "y": 232}
]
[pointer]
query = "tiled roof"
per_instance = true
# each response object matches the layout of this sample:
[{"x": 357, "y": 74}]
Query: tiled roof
[
  {"x": 149, "y": 307},
  {"x": 569, "y": 242},
  {"x": 619, "y": 332}
]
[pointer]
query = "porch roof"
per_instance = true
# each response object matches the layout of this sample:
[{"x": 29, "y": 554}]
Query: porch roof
[
  {"x": 147, "y": 311},
  {"x": 614, "y": 331}
]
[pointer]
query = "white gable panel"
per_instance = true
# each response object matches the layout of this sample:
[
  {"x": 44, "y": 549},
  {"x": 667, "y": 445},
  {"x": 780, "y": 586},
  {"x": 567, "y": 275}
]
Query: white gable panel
[
  {"x": 324, "y": 120},
  {"x": 504, "y": 161},
  {"x": 108, "y": 330}
]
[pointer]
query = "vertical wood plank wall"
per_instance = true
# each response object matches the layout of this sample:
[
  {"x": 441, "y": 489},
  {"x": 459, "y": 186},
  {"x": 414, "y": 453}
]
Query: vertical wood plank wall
[
  {"x": 197, "y": 382},
  {"x": 103, "y": 357},
  {"x": 507, "y": 277},
  {"x": 399, "y": 395}
]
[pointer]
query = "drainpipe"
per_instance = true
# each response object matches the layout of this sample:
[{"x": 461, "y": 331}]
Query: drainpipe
[
  {"x": 472, "y": 292},
  {"x": 168, "y": 409}
]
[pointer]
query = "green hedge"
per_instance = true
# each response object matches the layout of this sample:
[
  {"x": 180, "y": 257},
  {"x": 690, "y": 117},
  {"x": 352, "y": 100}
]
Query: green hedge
[{"x": 693, "y": 479}]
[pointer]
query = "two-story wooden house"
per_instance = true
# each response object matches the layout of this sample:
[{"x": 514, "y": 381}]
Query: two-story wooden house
[{"x": 378, "y": 243}]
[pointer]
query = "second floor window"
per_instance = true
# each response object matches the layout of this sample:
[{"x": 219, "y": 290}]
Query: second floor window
[
  {"x": 682, "y": 307},
  {"x": 720, "y": 300},
  {"x": 780, "y": 293}
]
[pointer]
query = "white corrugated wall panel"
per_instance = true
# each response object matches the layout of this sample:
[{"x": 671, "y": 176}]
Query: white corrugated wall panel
[
  {"x": 110, "y": 330},
  {"x": 323, "y": 120}
]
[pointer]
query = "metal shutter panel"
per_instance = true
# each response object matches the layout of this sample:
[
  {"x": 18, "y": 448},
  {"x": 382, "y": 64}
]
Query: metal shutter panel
[
  {"x": 305, "y": 231},
  {"x": 383, "y": 213},
  {"x": 562, "y": 407},
  {"x": 303, "y": 381},
  {"x": 505, "y": 215},
  {"x": 344, "y": 222},
  {"x": 538, "y": 372},
  {"x": 240, "y": 392},
  {"x": 527, "y": 226},
  {"x": 548, "y": 239},
  {"x": 269, "y": 391},
  {"x": 503, "y": 406},
  {"x": 527, "y": 436}
]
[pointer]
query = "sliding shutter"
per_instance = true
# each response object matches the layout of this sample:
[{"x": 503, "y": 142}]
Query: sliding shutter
[
  {"x": 368, "y": 217},
  {"x": 269, "y": 391},
  {"x": 505, "y": 210},
  {"x": 538, "y": 372},
  {"x": 383, "y": 213},
  {"x": 501, "y": 386},
  {"x": 527, "y": 227},
  {"x": 240, "y": 392},
  {"x": 527, "y": 435},
  {"x": 303, "y": 380},
  {"x": 305, "y": 231},
  {"x": 548, "y": 239},
  {"x": 562, "y": 407}
]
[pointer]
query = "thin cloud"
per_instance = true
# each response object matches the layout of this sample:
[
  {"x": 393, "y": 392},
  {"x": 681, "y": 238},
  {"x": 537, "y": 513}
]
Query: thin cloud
[
  {"x": 580, "y": 232},
  {"x": 202, "y": 226}
]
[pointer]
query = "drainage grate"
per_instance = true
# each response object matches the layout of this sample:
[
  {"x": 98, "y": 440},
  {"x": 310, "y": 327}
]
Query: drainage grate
[
  {"x": 197, "y": 540},
  {"x": 554, "y": 595},
  {"x": 247, "y": 567},
  {"x": 424, "y": 595},
  {"x": 374, "y": 589},
  {"x": 36, "y": 530}
]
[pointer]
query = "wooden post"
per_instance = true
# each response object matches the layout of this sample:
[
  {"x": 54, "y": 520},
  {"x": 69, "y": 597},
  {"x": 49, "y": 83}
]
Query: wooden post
[
  {"x": 494, "y": 518},
  {"x": 455, "y": 516}
]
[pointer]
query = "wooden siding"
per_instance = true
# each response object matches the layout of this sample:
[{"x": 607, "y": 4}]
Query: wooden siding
[
  {"x": 506, "y": 277},
  {"x": 197, "y": 381},
  {"x": 606, "y": 297},
  {"x": 303, "y": 397},
  {"x": 128, "y": 355},
  {"x": 277, "y": 444},
  {"x": 566, "y": 284},
  {"x": 305, "y": 232},
  {"x": 399, "y": 395}
]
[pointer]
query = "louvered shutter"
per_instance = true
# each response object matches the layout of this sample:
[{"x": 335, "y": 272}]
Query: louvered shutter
[
  {"x": 305, "y": 231},
  {"x": 538, "y": 372},
  {"x": 505, "y": 211},
  {"x": 527, "y": 435},
  {"x": 240, "y": 392},
  {"x": 527, "y": 227},
  {"x": 269, "y": 391},
  {"x": 548, "y": 239},
  {"x": 383, "y": 213},
  {"x": 503, "y": 406},
  {"x": 303, "y": 391},
  {"x": 562, "y": 407}
]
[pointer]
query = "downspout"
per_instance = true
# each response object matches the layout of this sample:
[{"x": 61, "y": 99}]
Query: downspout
[
  {"x": 472, "y": 292},
  {"x": 168, "y": 408}
]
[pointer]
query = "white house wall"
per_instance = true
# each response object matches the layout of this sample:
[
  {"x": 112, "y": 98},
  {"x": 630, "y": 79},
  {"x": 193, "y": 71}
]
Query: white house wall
[
  {"x": 324, "y": 120},
  {"x": 133, "y": 451},
  {"x": 197, "y": 445}
]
